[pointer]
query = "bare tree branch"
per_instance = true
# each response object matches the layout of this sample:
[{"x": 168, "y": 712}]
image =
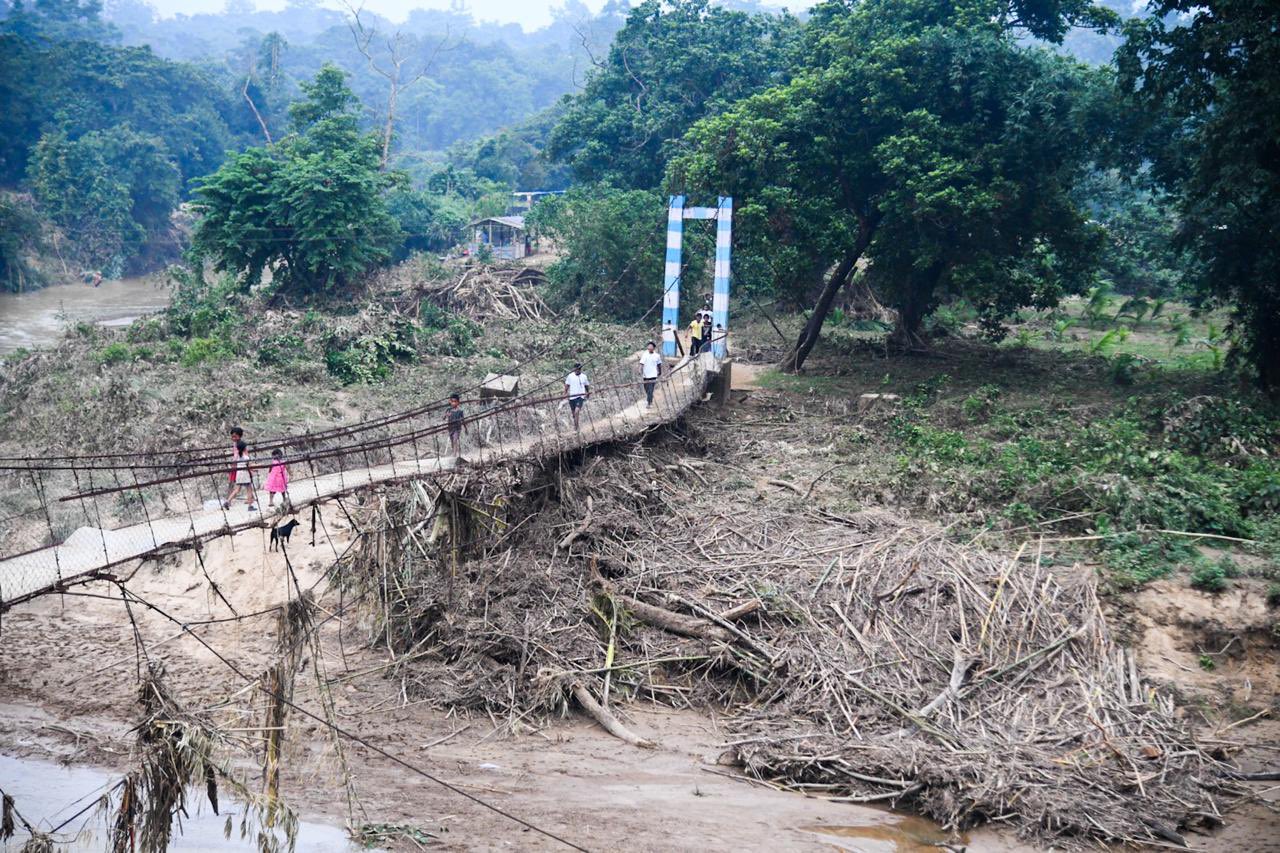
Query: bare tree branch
[{"x": 398, "y": 48}]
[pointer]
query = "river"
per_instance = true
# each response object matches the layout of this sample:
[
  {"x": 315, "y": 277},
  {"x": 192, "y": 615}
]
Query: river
[
  {"x": 47, "y": 794},
  {"x": 37, "y": 318}
]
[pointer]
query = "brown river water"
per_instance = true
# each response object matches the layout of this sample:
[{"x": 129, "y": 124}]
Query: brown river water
[{"x": 37, "y": 318}]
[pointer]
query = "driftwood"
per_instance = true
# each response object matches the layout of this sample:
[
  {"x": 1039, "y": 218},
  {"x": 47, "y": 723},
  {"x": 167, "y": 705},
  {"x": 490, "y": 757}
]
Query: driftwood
[
  {"x": 676, "y": 623},
  {"x": 491, "y": 292},
  {"x": 606, "y": 719},
  {"x": 746, "y": 608},
  {"x": 883, "y": 662},
  {"x": 582, "y": 528}
]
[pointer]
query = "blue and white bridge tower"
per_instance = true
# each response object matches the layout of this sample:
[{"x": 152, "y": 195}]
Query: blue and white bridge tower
[{"x": 677, "y": 213}]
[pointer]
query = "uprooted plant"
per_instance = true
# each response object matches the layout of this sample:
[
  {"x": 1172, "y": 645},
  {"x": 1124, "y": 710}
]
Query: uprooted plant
[{"x": 178, "y": 752}]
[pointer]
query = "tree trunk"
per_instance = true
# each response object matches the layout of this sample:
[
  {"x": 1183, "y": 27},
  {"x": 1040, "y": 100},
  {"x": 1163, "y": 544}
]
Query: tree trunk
[
  {"x": 262, "y": 124},
  {"x": 914, "y": 307},
  {"x": 391, "y": 118},
  {"x": 838, "y": 278}
]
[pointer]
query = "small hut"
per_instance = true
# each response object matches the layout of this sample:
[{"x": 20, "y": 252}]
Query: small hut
[{"x": 505, "y": 236}]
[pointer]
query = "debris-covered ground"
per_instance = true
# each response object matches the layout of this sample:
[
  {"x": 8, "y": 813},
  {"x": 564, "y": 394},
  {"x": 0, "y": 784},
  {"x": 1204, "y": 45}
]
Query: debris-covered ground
[
  {"x": 892, "y": 604},
  {"x": 860, "y": 658}
]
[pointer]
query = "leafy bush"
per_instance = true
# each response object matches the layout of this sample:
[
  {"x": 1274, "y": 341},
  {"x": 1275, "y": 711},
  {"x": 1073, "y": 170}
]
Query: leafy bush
[
  {"x": 370, "y": 357},
  {"x": 279, "y": 350},
  {"x": 115, "y": 353},
  {"x": 201, "y": 350},
  {"x": 1123, "y": 368},
  {"x": 980, "y": 404},
  {"x": 1132, "y": 560},
  {"x": 445, "y": 333},
  {"x": 147, "y": 329},
  {"x": 1210, "y": 577},
  {"x": 1218, "y": 427}
]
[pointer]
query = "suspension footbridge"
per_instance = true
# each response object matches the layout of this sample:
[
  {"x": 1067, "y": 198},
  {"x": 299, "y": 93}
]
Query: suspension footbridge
[{"x": 131, "y": 507}]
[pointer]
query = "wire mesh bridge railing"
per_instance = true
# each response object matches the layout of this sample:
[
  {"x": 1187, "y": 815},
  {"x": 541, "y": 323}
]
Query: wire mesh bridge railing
[{"x": 83, "y": 515}]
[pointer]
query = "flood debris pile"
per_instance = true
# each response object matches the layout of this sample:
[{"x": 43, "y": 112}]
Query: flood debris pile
[
  {"x": 489, "y": 292},
  {"x": 860, "y": 658}
]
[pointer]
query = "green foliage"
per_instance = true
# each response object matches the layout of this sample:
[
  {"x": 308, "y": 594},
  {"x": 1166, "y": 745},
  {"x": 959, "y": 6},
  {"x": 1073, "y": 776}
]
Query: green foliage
[
  {"x": 445, "y": 333},
  {"x": 110, "y": 190},
  {"x": 21, "y": 238},
  {"x": 675, "y": 61},
  {"x": 1273, "y": 595},
  {"x": 981, "y": 403},
  {"x": 1098, "y": 304},
  {"x": 1123, "y": 368},
  {"x": 368, "y": 358},
  {"x": 1206, "y": 663},
  {"x": 611, "y": 243},
  {"x": 71, "y": 181},
  {"x": 1133, "y": 560},
  {"x": 107, "y": 136},
  {"x": 953, "y": 179},
  {"x": 514, "y": 157},
  {"x": 1210, "y": 577},
  {"x": 1209, "y": 72},
  {"x": 205, "y": 350},
  {"x": 430, "y": 222},
  {"x": 200, "y": 309},
  {"x": 1126, "y": 473},
  {"x": 114, "y": 353},
  {"x": 1110, "y": 339},
  {"x": 312, "y": 208},
  {"x": 281, "y": 349},
  {"x": 1139, "y": 222}
]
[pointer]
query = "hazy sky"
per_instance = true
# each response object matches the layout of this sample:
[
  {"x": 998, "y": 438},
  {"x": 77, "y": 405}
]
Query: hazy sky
[{"x": 529, "y": 13}]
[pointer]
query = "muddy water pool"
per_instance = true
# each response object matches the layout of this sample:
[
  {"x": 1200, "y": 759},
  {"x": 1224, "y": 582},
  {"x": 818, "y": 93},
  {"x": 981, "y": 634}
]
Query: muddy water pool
[
  {"x": 47, "y": 794},
  {"x": 37, "y": 318}
]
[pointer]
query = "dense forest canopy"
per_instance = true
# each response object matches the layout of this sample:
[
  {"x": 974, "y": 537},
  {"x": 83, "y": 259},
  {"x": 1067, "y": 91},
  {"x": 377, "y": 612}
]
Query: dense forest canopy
[{"x": 1003, "y": 152}]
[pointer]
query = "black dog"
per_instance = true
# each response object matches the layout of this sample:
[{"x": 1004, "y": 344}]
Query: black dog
[{"x": 280, "y": 534}]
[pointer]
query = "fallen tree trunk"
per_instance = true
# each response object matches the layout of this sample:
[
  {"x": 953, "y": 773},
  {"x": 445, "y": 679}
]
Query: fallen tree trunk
[
  {"x": 606, "y": 719},
  {"x": 676, "y": 623}
]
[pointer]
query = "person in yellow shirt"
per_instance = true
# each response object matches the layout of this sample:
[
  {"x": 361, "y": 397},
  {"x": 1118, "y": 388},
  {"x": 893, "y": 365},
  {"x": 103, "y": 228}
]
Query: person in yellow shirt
[{"x": 695, "y": 334}]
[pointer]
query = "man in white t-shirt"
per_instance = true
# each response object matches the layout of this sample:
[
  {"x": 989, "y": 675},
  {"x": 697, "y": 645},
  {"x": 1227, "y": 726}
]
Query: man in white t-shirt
[
  {"x": 650, "y": 370},
  {"x": 577, "y": 388}
]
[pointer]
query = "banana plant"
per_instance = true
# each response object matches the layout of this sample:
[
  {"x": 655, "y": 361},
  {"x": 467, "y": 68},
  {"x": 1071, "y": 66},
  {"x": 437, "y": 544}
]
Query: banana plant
[{"x": 1099, "y": 301}]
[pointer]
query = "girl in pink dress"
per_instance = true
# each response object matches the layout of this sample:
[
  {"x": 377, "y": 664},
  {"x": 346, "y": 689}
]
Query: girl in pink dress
[{"x": 277, "y": 480}]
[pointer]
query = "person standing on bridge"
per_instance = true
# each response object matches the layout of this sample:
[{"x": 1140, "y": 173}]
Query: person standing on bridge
[
  {"x": 650, "y": 370},
  {"x": 577, "y": 388},
  {"x": 278, "y": 480},
  {"x": 456, "y": 420},
  {"x": 241, "y": 477},
  {"x": 695, "y": 334}
]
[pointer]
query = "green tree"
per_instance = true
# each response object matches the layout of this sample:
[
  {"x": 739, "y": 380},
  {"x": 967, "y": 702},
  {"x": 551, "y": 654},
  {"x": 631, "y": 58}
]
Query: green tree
[
  {"x": 76, "y": 187},
  {"x": 312, "y": 209},
  {"x": 429, "y": 221},
  {"x": 1140, "y": 222},
  {"x": 611, "y": 244},
  {"x": 21, "y": 238},
  {"x": 673, "y": 63},
  {"x": 920, "y": 140},
  {"x": 1214, "y": 66}
]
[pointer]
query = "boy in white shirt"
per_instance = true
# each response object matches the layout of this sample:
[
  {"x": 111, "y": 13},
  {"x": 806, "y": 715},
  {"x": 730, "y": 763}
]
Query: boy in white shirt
[
  {"x": 577, "y": 388},
  {"x": 650, "y": 370}
]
